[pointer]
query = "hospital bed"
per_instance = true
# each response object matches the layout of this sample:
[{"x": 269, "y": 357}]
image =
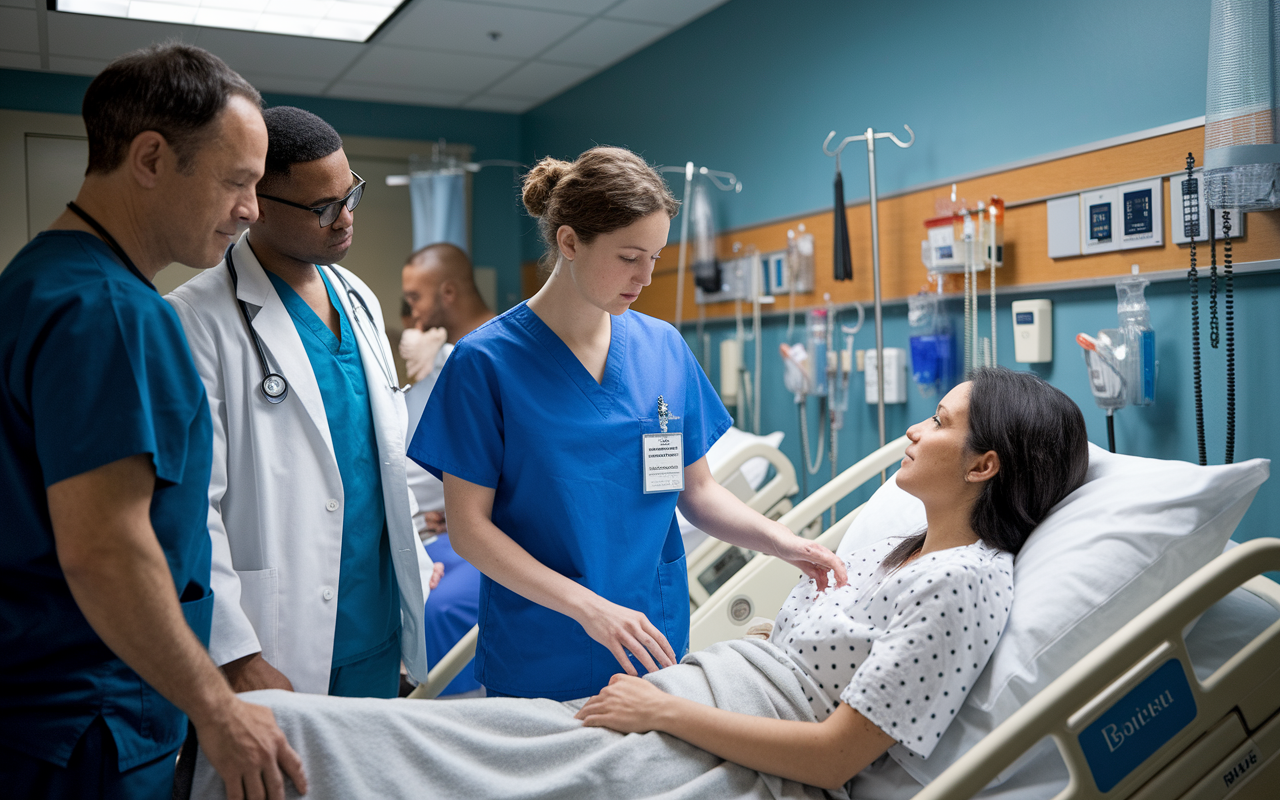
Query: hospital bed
[
  {"x": 1226, "y": 747},
  {"x": 741, "y": 462},
  {"x": 1227, "y": 666}
]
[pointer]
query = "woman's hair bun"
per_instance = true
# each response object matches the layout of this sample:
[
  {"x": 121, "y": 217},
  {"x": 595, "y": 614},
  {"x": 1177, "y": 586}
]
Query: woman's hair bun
[{"x": 541, "y": 181}]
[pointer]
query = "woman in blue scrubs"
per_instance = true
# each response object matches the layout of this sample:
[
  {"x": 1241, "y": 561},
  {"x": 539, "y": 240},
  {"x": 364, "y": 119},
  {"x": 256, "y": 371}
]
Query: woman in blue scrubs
[{"x": 566, "y": 430}]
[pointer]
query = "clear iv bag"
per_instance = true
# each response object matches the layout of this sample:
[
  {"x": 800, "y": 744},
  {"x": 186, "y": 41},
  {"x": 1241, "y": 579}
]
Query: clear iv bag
[
  {"x": 702, "y": 235},
  {"x": 1241, "y": 148}
]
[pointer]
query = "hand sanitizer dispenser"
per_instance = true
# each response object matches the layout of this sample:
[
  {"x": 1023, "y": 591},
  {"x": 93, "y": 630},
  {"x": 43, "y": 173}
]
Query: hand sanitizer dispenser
[{"x": 1032, "y": 331}]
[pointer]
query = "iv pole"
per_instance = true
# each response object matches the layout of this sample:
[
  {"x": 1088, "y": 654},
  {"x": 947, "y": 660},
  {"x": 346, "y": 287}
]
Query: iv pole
[
  {"x": 870, "y": 138},
  {"x": 733, "y": 185}
]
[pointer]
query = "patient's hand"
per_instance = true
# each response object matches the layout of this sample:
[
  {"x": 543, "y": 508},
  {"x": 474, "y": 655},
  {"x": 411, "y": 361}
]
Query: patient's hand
[
  {"x": 252, "y": 673},
  {"x": 626, "y": 705}
]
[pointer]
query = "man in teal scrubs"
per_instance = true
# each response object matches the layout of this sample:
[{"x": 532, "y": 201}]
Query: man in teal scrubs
[
  {"x": 105, "y": 447},
  {"x": 317, "y": 570}
]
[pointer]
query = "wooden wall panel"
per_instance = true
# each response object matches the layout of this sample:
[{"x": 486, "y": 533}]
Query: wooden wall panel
[{"x": 1025, "y": 234}]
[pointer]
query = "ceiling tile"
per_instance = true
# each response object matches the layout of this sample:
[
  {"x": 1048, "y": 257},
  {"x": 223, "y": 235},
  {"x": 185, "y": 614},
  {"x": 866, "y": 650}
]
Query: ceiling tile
[
  {"x": 665, "y": 12},
  {"x": 540, "y": 80},
  {"x": 355, "y": 90},
  {"x": 82, "y": 36},
  {"x": 398, "y": 66},
  {"x": 263, "y": 53},
  {"x": 285, "y": 84},
  {"x": 583, "y": 8},
  {"x": 510, "y": 105},
  {"x": 77, "y": 66},
  {"x": 18, "y": 30},
  {"x": 10, "y": 60},
  {"x": 603, "y": 42},
  {"x": 465, "y": 28}
]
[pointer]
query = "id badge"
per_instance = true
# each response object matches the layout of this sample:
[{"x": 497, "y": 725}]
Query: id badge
[{"x": 663, "y": 462}]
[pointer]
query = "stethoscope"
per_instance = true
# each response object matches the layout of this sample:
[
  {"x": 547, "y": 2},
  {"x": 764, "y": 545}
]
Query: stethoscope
[{"x": 274, "y": 386}]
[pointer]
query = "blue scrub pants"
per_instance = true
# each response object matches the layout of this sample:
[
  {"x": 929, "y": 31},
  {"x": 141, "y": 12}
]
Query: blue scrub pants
[
  {"x": 452, "y": 609},
  {"x": 91, "y": 774},
  {"x": 375, "y": 675}
]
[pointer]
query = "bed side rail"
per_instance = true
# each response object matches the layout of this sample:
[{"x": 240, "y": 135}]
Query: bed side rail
[
  {"x": 1116, "y": 733},
  {"x": 762, "y": 585},
  {"x": 713, "y": 561}
]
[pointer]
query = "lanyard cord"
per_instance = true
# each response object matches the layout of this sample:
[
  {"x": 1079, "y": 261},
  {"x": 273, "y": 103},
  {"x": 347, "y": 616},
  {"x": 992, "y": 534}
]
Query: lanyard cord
[{"x": 111, "y": 242}]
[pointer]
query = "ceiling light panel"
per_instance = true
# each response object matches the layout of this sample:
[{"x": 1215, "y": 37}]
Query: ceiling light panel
[{"x": 346, "y": 20}]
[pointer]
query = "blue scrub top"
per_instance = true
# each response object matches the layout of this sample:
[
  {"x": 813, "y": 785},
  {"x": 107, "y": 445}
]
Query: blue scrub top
[
  {"x": 95, "y": 368},
  {"x": 368, "y": 597},
  {"x": 516, "y": 411}
]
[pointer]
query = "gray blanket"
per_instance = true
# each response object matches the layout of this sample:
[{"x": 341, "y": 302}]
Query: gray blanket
[{"x": 515, "y": 748}]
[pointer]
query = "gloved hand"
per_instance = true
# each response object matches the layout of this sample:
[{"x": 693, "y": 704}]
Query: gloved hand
[{"x": 419, "y": 350}]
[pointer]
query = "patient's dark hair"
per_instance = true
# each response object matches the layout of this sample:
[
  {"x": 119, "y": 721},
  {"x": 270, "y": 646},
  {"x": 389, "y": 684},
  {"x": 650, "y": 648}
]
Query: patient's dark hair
[{"x": 1039, "y": 435}]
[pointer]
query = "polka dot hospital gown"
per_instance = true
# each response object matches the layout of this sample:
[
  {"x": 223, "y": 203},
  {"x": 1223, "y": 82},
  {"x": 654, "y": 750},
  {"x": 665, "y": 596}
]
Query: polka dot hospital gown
[{"x": 902, "y": 648}]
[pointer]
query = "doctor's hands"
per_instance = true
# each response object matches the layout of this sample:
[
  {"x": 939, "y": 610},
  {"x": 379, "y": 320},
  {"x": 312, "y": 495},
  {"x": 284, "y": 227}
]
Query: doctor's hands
[
  {"x": 624, "y": 630},
  {"x": 811, "y": 558},
  {"x": 248, "y": 750},
  {"x": 626, "y": 705},
  {"x": 251, "y": 673}
]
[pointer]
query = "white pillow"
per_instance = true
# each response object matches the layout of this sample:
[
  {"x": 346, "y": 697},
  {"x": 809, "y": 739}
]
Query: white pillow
[
  {"x": 1133, "y": 531},
  {"x": 754, "y": 470}
]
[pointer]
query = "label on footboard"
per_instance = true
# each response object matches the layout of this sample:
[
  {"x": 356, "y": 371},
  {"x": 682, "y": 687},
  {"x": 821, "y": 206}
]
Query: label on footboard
[{"x": 1139, "y": 724}]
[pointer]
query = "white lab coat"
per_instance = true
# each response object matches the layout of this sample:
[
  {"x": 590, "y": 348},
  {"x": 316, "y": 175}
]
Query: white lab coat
[{"x": 275, "y": 495}]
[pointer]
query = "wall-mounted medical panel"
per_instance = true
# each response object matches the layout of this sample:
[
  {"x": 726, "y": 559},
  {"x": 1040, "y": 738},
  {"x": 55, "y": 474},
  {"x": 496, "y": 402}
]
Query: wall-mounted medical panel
[
  {"x": 1064, "y": 226},
  {"x": 1141, "y": 222},
  {"x": 1099, "y": 221}
]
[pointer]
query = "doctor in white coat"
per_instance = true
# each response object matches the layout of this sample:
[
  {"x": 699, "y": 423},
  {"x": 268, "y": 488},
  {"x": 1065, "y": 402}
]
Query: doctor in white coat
[{"x": 318, "y": 575}]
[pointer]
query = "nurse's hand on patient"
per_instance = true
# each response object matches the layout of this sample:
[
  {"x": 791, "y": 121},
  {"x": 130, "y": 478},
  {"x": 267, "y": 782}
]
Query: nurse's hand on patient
[
  {"x": 626, "y": 705},
  {"x": 811, "y": 558},
  {"x": 251, "y": 673},
  {"x": 624, "y": 630},
  {"x": 248, "y": 750}
]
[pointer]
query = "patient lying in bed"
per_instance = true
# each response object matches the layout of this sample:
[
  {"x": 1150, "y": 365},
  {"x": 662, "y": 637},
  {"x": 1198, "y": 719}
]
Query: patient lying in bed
[{"x": 878, "y": 665}]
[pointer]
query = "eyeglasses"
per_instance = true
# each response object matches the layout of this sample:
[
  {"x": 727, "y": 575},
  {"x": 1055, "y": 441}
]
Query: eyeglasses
[{"x": 328, "y": 213}]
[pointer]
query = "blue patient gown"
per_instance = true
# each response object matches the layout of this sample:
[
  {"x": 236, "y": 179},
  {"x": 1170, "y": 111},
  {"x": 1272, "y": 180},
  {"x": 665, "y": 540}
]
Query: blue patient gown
[{"x": 515, "y": 410}]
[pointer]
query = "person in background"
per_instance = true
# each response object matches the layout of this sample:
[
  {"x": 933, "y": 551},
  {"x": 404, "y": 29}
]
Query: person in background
[
  {"x": 319, "y": 576},
  {"x": 105, "y": 559},
  {"x": 440, "y": 291}
]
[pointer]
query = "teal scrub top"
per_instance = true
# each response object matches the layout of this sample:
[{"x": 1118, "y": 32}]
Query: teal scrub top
[
  {"x": 94, "y": 367},
  {"x": 368, "y": 597},
  {"x": 515, "y": 410}
]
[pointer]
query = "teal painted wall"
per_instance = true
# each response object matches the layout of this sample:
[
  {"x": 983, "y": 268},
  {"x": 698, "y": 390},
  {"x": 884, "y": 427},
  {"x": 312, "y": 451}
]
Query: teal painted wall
[
  {"x": 495, "y": 197},
  {"x": 754, "y": 86}
]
